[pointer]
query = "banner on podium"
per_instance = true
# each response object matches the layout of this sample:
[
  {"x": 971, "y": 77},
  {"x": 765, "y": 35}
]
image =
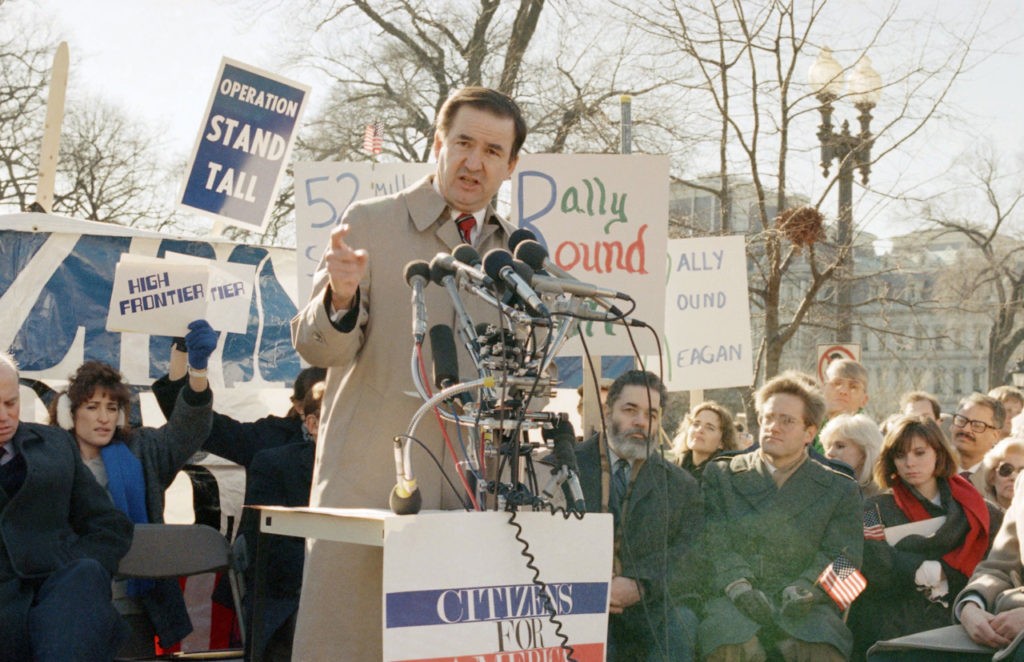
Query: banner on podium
[{"x": 481, "y": 601}]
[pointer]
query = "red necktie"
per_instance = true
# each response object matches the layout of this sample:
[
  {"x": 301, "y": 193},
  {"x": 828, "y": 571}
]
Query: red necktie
[{"x": 466, "y": 223}]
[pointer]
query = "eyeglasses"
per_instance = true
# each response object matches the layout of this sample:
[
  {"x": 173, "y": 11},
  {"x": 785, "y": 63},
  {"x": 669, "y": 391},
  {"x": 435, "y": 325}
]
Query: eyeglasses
[
  {"x": 1005, "y": 470},
  {"x": 976, "y": 426},
  {"x": 782, "y": 420}
]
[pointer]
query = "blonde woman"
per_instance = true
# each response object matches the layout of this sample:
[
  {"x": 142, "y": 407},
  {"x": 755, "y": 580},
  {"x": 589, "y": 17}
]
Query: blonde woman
[
  {"x": 999, "y": 471},
  {"x": 855, "y": 440}
]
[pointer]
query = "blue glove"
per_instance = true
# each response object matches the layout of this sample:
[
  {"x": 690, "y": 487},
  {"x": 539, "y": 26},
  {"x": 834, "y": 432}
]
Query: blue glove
[{"x": 200, "y": 343}]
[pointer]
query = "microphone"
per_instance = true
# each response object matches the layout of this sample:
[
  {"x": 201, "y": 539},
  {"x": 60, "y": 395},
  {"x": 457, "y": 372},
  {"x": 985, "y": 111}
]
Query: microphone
[
  {"x": 417, "y": 275},
  {"x": 473, "y": 273},
  {"x": 574, "y": 287},
  {"x": 563, "y": 439},
  {"x": 498, "y": 265},
  {"x": 519, "y": 236},
  {"x": 535, "y": 255},
  {"x": 442, "y": 272},
  {"x": 445, "y": 356},
  {"x": 467, "y": 255},
  {"x": 405, "y": 498}
]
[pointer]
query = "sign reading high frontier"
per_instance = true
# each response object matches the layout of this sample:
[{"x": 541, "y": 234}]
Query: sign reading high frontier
[
  {"x": 604, "y": 219},
  {"x": 243, "y": 146}
]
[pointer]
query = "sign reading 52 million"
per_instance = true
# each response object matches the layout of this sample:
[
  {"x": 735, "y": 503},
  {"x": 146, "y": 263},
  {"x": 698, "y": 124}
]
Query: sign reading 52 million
[{"x": 244, "y": 144}]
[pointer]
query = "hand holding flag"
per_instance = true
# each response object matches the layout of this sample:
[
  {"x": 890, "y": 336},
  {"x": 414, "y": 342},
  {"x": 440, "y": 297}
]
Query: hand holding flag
[{"x": 842, "y": 582}]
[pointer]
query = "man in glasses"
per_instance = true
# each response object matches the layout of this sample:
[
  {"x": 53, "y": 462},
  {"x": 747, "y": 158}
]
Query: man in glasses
[
  {"x": 775, "y": 520},
  {"x": 977, "y": 426}
]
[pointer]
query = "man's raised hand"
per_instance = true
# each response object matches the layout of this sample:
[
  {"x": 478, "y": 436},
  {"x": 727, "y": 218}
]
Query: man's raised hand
[{"x": 345, "y": 268}]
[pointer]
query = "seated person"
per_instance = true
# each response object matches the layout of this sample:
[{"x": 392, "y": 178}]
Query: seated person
[
  {"x": 854, "y": 439},
  {"x": 658, "y": 518},
  {"x": 280, "y": 476},
  {"x": 137, "y": 465},
  {"x": 776, "y": 520},
  {"x": 705, "y": 432},
  {"x": 911, "y": 582},
  {"x": 999, "y": 471},
  {"x": 61, "y": 539}
]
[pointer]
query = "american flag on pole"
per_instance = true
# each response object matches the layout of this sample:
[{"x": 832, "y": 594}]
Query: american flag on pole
[
  {"x": 373, "y": 139},
  {"x": 842, "y": 581},
  {"x": 873, "y": 527}
]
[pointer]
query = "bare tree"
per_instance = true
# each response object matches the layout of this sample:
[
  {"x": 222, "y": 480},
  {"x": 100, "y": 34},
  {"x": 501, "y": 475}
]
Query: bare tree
[
  {"x": 24, "y": 67},
  {"x": 750, "y": 60},
  {"x": 985, "y": 209},
  {"x": 109, "y": 169}
]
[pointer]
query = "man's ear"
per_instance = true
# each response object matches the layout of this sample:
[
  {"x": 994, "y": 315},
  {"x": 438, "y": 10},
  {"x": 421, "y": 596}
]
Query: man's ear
[{"x": 438, "y": 141}]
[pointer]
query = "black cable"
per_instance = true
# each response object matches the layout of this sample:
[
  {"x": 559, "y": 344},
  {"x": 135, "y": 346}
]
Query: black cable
[
  {"x": 444, "y": 474},
  {"x": 538, "y": 582}
]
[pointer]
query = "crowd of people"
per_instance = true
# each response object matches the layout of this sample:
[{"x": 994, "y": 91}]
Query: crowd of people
[{"x": 726, "y": 546}]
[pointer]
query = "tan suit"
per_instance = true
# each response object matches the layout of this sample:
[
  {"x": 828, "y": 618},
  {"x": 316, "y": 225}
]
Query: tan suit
[
  {"x": 997, "y": 579},
  {"x": 367, "y": 403}
]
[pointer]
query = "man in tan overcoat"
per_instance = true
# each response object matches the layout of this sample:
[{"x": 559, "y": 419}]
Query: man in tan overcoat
[{"x": 357, "y": 325}]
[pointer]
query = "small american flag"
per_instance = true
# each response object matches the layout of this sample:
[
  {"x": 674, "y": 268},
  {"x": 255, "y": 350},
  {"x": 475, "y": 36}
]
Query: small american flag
[
  {"x": 873, "y": 527},
  {"x": 373, "y": 139},
  {"x": 842, "y": 581}
]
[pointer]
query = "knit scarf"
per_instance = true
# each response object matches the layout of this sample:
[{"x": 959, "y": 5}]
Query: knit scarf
[
  {"x": 967, "y": 555},
  {"x": 127, "y": 487}
]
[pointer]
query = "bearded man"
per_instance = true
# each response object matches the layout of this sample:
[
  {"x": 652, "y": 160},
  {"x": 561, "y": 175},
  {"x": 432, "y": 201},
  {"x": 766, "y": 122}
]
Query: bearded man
[{"x": 658, "y": 520}]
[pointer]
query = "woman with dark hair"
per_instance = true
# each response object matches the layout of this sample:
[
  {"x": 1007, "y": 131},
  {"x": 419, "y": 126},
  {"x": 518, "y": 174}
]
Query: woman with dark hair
[
  {"x": 705, "y": 432},
  {"x": 136, "y": 466},
  {"x": 922, "y": 540}
]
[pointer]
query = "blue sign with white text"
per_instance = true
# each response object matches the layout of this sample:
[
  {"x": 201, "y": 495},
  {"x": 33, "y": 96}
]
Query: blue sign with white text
[{"x": 244, "y": 144}]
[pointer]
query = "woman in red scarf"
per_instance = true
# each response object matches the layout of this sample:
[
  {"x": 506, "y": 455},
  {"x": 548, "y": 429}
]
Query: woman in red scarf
[{"x": 914, "y": 562}]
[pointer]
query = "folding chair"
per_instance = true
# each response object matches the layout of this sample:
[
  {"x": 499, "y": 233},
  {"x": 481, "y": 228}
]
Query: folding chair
[{"x": 162, "y": 551}]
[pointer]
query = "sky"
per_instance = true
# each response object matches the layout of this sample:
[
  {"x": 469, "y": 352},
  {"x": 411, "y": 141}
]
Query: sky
[{"x": 157, "y": 59}]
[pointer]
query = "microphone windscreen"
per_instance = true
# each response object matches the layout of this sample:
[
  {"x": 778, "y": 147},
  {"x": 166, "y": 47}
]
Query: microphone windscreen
[
  {"x": 438, "y": 270},
  {"x": 446, "y": 358},
  {"x": 466, "y": 254},
  {"x": 564, "y": 450},
  {"x": 518, "y": 236},
  {"x": 405, "y": 505},
  {"x": 417, "y": 268},
  {"x": 524, "y": 270},
  {"x": 532, "y": 253},
  {"x": 495, "y": 260}
]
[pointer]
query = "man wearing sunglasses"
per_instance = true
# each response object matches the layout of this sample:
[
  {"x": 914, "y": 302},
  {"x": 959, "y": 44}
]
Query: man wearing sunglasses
[{"x": 977, "y": 426}]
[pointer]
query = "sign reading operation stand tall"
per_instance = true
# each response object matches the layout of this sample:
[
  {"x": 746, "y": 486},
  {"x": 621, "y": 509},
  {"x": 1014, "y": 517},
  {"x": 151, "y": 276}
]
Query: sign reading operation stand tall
[{"x": 243, "y": 146}]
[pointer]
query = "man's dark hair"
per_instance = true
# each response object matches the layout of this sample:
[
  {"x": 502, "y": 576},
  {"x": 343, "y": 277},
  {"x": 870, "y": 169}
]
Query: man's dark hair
[
  {"x": 922, "y": 396},
  {"x": 488, "y": 100},
  {"x": 306, "y": 378},
  {"x": 998, "y": 410},
  {"x": 636, "y": 378}
]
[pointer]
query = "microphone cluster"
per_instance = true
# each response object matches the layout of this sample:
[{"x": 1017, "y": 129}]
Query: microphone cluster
[{"x": 517, "y": 280}]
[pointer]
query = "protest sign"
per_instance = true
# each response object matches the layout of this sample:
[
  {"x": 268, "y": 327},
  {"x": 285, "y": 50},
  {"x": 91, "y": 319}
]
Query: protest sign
[
  {"x": 470, "y": 605},
  {"x": 604, "y": 219},
  {"x": 323, "y": 192},
  {"x": 707, "y": 314},
  {"x": 244, "y": 144},
  {"x": 160, "y": 296}
]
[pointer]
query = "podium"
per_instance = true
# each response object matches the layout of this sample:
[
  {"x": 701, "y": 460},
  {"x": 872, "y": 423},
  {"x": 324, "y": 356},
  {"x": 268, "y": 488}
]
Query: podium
[{"x": 494, "y": 586}]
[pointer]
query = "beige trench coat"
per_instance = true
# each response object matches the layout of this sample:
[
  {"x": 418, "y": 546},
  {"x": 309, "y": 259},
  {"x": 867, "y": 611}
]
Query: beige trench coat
[{"x": 369, "y": 399}]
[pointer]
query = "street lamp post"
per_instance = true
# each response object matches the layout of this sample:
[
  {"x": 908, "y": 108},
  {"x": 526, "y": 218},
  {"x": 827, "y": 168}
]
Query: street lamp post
[{"x": 852, "y": 151}]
